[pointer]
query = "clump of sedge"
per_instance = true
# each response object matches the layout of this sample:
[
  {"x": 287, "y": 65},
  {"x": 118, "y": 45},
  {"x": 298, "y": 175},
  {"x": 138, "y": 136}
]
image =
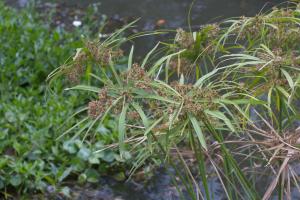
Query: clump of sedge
[
  {"x": 184, "y": 39},
  {"x": 195, "y": 99}
]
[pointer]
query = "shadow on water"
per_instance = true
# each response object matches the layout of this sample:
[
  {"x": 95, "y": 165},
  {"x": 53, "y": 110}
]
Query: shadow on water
[{"x": 160, "y": 187}]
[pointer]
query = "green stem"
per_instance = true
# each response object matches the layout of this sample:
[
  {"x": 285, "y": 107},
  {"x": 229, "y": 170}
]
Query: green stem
[
  {"x": 280, "y": 120},
  {"x": 201, "y": 165},
  {"x": 173, "y": 165},
  {"x": 232, "y": 166}
]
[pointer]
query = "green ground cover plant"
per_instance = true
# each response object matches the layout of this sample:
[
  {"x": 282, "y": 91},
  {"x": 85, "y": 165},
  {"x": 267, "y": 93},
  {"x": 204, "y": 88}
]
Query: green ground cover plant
[
  {"x": 228, "y": 92},
  {"x": 32, "y": 159}
]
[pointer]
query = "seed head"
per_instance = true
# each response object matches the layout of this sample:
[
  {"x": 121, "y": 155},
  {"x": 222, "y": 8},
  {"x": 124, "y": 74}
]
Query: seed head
[
  {"x": 181, "y": 66},
  {"x": 138, "y": 77},
  {"x": 103, "y": 54},
  {"x": 133, "y": 115},
  {"x": 184, "y": 39},
  {"x": 95, "y": 108}
]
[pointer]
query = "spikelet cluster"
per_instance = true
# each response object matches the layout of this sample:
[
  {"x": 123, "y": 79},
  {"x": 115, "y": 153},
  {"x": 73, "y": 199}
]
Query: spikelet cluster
[
  {"x": 279, "y": 58},
  {"x": 195, "y": 99},
  {"x": 252, "y": 29},
  {"x": 212, "y": 31},
  {"x": 75, "y": 71},
  {"x": 98, "y": 107},
  {"x": 138, "y": 77},
  {"x": 181, "y": 66},
  {"x": 184, "y": 39},
  {"x": 102, "y": 54}
]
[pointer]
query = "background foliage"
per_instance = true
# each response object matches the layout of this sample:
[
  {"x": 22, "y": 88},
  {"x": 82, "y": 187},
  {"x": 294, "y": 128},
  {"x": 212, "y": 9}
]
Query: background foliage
[{"x": 31, "y": 156}]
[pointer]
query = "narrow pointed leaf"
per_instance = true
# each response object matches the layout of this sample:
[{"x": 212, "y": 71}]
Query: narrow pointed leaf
[{"x": 198, "y": 131}]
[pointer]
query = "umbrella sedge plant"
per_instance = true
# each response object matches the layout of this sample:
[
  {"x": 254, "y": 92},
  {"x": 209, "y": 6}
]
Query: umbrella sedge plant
[{"x": 209, "y": 93}]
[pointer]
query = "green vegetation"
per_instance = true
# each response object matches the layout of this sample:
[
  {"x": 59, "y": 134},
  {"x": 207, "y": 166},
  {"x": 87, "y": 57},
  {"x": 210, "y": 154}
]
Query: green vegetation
[
  {"x": 31, "y": 156},
  {"x": 227, "y": 92}
]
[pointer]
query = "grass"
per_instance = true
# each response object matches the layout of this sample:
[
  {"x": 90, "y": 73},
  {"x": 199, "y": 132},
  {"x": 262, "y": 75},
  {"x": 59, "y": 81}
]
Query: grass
[{"x": 228, "y": 92}]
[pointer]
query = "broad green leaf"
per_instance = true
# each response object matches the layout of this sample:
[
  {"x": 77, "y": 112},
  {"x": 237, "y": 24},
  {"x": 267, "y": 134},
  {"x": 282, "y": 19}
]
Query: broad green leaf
[
  {"x": 65, "y": 174},
  {"x": 15, "y": 180},
  {"x": 84, "y": 153},
  {"x": 203, "y": 78},
  {"x": 92, "y": 175},
  {"x": 162, "y": 60},
  {"x": 113, "y": 69},
  {"x": 148, "y": 55},
  {"x": 85, "y": 88},
  {"x": 157, "y": 98},
  {"x": 122, "y": 127},
  {"x": 73, "y": 127},
  {"x": 93, "y": 159},
  {"x": 130, "y": 57},
  {"x": 144, "y": 118},
  {"x": 283, "y": 91},
  {"x": 222, "y": 117},
  {"x": 198, "y": 131},
  {"x": 288, "y": 78},
  {"x": 70, "y": 147},
  {"x": 148, "y": 130}
]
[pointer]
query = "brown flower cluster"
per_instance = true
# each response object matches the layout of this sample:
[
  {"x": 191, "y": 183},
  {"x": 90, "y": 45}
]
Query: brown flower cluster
[
  {"x": 280, "y": 58},
  {"x": 98, "y": 107},
  {"x": 195, "y": 99},
  {"x": 182, "y": 89},
  {"x": 184, "y": 39},
  {"x": 252, "y": 29},
  {"x": 181, "y": 66},
  {"x": 282, "y": 12},
  {"x": 103, "y": 54},
  {"x": 133, "y": 115},
  {"x": 75, "y": 71},
  {"x": 283, "y": 32},
  {"x": 137, "y": 76},
  {"x": 286, "y": 33},
  {"x": 99, "y": 53},
  {"x": 212, "y": 30}
]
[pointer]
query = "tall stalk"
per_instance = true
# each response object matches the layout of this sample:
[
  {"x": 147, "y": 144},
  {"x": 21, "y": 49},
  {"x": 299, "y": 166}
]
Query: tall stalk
[
  {"x": 280, "y": 120},
  {"x": 230, "y": 165}
]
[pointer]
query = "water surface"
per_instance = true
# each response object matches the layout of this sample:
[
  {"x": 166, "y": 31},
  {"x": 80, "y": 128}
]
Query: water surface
[{"x": 174, "y": 12}]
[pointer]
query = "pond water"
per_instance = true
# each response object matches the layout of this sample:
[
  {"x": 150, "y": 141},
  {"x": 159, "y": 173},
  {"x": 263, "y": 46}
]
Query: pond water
[
  {"x": 172, "y": 13},
  {"x": 160, "y": 187},
  {"x": 154, "y": 14},
  {"x": 157, "y": 14}
]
